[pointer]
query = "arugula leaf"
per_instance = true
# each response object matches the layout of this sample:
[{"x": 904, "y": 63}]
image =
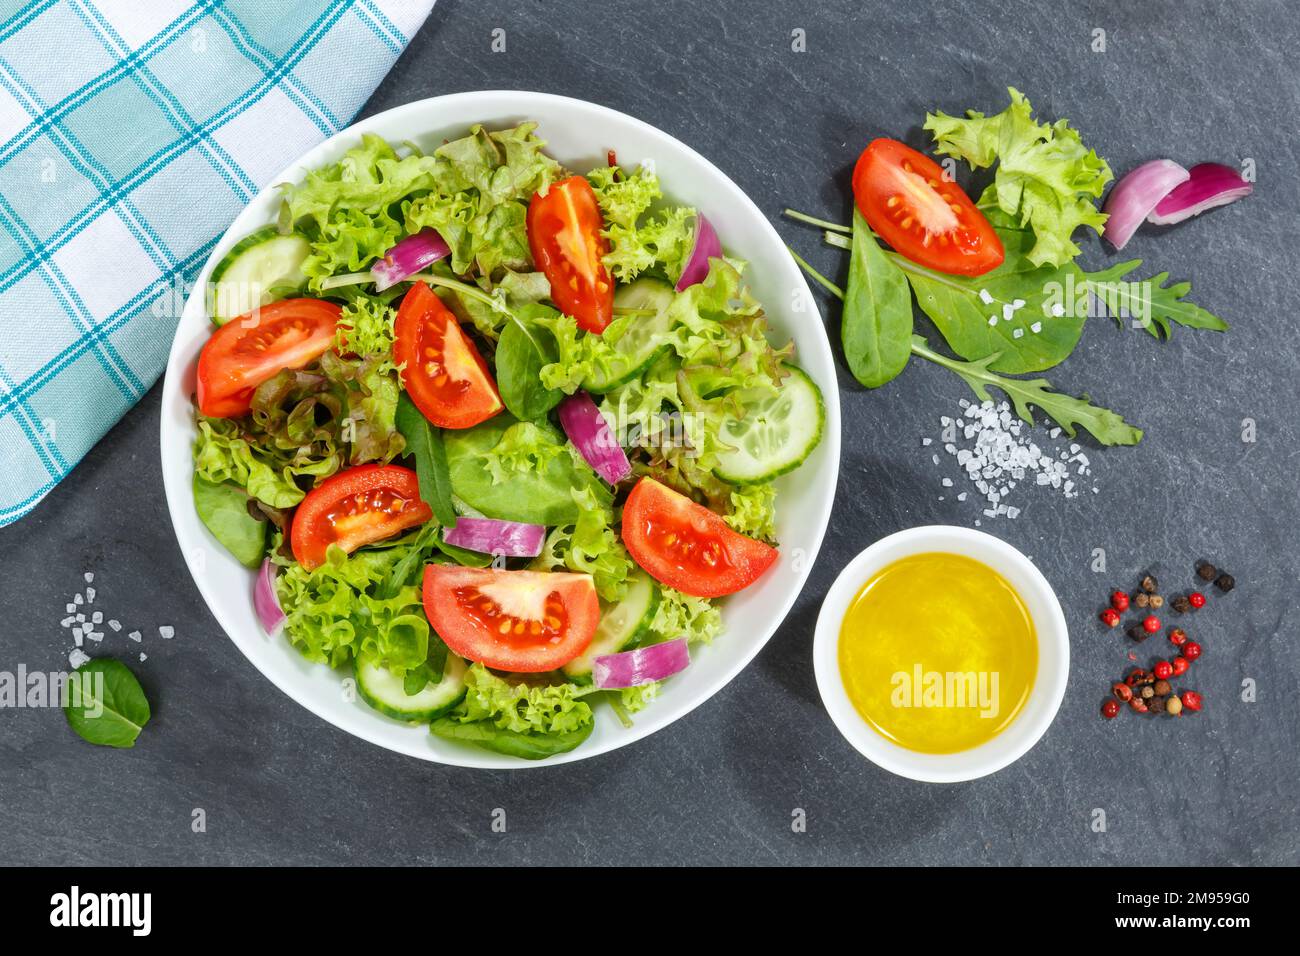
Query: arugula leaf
[
  {"x": 223, "y": 509},
  {"x": 523, "y": 350},
  {"x": 106, "y": 705},
  {"x": 1046, "y": 178},
  {"x": 1161, "y": 305},
  {"x": 877, "y": 326},
  {"x": 424, "y": 443},
  {"x": 1025, "y": 394}
]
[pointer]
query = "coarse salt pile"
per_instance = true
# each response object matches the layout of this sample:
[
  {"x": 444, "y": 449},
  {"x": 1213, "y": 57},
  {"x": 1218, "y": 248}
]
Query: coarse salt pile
[
  {"x": 990, "y": 445},
  {"x": 88, "y": 629}
]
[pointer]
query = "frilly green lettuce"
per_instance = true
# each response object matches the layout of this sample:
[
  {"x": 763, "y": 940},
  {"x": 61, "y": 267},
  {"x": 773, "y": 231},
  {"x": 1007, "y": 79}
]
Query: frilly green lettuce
[
  {"x": 473, "y": 191},
  {"x": 523, "y": 707},
  {"x": 1046, "y": 178},
  {"x": 753, "y": 511},
  {"x": 682, "y": 615},
  {"x": 662, "y": 240},
  {"x": 336, "y": 612},
  {"x": 589, "y": 546}
]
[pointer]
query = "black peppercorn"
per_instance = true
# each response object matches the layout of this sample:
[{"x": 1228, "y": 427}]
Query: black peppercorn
[
  {"x": 1225, "y": 582},
  {"x": 1181, "y": 604},
  {"x": 1149, "y": 584},
  {"x": 1163, "y": 687},
  {"x": 1207, "y": 571},
  {"x": 1138, "y": 632},
  {"x": 1156, "y": 705}
]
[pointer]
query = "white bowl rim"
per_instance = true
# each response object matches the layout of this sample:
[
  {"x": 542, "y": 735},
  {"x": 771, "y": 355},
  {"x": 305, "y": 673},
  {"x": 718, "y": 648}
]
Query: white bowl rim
[
  {"x": 1012, "y": 742},
  {"x": 659, "y": 715}
]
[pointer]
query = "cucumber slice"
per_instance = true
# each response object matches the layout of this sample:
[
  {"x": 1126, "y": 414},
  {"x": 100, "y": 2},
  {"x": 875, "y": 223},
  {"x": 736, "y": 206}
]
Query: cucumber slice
[
  {"x": 620, "y": 627},
  {"x": 640, "y": 338},
  {"x": 259, "y": 269},
  {"x": 384, "y": 691},
  {"x": 774, "y": 432}
]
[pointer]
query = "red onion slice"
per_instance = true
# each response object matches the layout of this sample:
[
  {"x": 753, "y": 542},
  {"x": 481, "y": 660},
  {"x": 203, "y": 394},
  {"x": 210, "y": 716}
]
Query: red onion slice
[
  {"x": 705, "y": 247},
  {"x": 1210, "y": 185},
  {"x": 511, "y": 539},
  {"x": 408, "y": 257},
  {"x": 641, "y": 666},
  {"x": 592, "y": 436},
  {"x": 1135, "y": 195},
  {"x": 265, "y": 603}
]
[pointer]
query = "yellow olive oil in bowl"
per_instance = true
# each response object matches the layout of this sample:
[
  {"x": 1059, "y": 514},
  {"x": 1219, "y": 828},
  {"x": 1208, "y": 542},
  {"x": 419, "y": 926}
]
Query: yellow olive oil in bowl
[{"x": 938, "y": 653}]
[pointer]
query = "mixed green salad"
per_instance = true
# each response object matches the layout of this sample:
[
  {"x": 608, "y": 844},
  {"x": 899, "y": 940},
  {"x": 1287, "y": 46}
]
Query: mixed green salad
[{"x": 497, "y": 436}]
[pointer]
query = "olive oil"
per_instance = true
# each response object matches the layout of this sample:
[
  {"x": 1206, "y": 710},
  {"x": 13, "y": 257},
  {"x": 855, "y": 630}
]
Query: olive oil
[{"x": 938, "y": 653}]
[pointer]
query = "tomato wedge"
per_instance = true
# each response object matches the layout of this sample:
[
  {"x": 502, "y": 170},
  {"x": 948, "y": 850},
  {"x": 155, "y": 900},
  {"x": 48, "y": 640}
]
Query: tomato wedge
[
  {"x": 564, "y": 233},
  {"x": 521, "y": 621},
  {"x": 444, "y": 374},
  {"x": 905, "y": 198},
  {"x": 686, "y": 546},
  {"x": 358, "y": 506},
  {"x": 246, "y": 351}
]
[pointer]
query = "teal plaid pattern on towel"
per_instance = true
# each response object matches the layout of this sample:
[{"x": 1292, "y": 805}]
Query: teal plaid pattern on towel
[{"x": 133, "y": 132}]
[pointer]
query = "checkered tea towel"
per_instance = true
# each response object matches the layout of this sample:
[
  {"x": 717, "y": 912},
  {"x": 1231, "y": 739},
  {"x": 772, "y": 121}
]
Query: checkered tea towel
[{"x": 133, "y": 132}]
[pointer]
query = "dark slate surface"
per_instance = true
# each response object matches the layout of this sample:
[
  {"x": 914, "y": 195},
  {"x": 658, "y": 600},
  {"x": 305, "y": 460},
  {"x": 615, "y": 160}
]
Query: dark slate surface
[{"x": 1195, "y": 81}]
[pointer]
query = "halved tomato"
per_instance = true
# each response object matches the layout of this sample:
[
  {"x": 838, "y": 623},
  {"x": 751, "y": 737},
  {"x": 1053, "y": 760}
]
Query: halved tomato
[
  {"x": 905, "y": 197},
  {"x": 686, "y": 546},
  {"x": 246, "y": 351},
  {"x": 564, "y": 234},
  {"x": 358, "y": 506},
  {"x": 521, "y": 621},
  {"x": 444, "y": 374}
]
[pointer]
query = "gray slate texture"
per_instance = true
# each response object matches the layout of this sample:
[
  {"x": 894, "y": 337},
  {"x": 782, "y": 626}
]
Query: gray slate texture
[{"x": 1194, "y": 81}]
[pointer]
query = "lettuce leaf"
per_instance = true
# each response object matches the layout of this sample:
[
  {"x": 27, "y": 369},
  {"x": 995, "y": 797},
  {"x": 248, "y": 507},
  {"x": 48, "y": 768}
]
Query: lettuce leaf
[
  {"x": 753, "y": 511},
  {"x": 304, "y": 424},
  {"x": 523, "y": 707},
  {"x": 682, "y": 615},
  {"x": 719, "y": 345},
  {"x": 480, "y": 205},
  {"x": 1046, "y": 178},
  {"x": 661, "y": 241},
  {"x": 473, "y": 191},
  {"x": 341, "y": 609},
  {"x": 366, "y": 328},
  {"x": 223, "y": 452},
  {"x": 589, "y": 546}
]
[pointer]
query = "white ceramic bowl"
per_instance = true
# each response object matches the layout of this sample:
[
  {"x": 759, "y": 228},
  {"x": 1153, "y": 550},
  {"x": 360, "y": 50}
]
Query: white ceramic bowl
[
  {"x": 579, "y": 134},
  {"x": 1053, "y": 655}
]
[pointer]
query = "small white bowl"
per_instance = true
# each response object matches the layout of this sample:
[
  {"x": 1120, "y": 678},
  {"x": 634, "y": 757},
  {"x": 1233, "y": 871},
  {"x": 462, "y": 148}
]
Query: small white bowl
[{"x": 1053, "y": 655}]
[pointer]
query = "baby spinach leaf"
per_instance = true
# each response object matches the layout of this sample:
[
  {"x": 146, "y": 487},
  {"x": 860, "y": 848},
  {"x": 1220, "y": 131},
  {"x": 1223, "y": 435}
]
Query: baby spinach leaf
[
  {"x": 523, "y": 350},
  {"x": 223, "y": 509},
  {"x": 519, "y": 471},
  {"x": 877, "y": 324},
  {"x": 106, "y": 705},
  {"x": 514, "y": 743},
  {"x": 976, "y": 329},
  {"x": 424, "y": 444}
]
